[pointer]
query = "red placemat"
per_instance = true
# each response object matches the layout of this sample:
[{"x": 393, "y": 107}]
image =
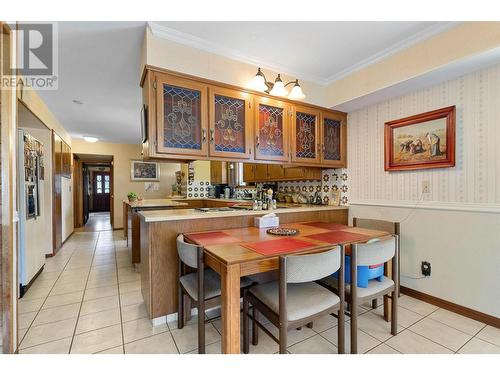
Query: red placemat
[
  {"x": 212, "y": 238},
  {"x": 280, "y": 246},
  {"x": 330, "y": 226},
  {"x": 339, "y": 237}
]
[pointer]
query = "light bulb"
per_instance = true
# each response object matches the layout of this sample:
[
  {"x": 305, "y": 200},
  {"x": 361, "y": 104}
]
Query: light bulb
[
  {"x": 296, "y": 93},
  {"x": 278, "y": 88},
  {"x": 258, "y": 82}
]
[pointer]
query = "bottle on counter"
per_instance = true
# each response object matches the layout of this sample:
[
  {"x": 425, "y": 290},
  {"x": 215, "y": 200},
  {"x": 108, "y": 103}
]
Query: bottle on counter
[
  {"x": 255, "y": 206},
  {"x": 274, "y": 204}
]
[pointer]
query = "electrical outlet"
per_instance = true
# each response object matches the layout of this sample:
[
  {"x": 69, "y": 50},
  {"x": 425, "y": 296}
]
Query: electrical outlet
[
  {"x": 426, "y": 268},
  {"x": 426, "y": 187}
]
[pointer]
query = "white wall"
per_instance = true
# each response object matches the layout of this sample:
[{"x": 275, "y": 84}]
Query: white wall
[{"x": 457, "y": 227}]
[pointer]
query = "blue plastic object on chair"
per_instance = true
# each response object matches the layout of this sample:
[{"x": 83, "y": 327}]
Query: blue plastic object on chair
[{"x": 365, "y": 273}]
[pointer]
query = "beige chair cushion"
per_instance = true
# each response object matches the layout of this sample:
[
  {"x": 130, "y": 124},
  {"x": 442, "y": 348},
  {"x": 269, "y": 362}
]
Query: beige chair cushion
[
  {"x": 303, "y": 300},
  {"x": 212, "y": 284},
  {"x": 374, "y": 287}
]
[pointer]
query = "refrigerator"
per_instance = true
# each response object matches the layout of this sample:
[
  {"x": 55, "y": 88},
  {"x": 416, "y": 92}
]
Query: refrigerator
[{"x": 31, "y": 257}]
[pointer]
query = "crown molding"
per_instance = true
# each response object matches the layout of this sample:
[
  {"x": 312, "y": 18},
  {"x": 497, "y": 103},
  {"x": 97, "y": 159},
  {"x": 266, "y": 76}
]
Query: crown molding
[
  {"x": 168, "y": 33},
  {"x": 395, "y": 48}
]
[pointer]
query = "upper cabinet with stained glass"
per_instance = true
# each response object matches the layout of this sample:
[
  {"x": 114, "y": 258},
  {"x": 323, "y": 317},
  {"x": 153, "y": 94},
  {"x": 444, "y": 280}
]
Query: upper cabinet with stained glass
[
  {"x": 181, "y": 116},
  {"x": 305, "y": 135},
  {"x": 272, "y": 122},
  {"x": 230, "y": 123},
  {"x": 333, "y": 140}
]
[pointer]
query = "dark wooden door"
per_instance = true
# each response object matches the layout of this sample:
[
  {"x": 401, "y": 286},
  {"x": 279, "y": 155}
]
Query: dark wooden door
[{"x": 102, "y": 190}]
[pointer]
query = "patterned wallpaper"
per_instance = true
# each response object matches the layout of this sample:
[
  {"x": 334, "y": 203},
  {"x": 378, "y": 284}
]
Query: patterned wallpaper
[{"x": 475, "y": 180}]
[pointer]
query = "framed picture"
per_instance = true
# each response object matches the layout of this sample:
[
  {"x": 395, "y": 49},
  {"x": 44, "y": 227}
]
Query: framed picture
[
  {"x": 144, "y": 171},
  {"x": 335, "y": 201},
  {"x": 422, "y": 141}
]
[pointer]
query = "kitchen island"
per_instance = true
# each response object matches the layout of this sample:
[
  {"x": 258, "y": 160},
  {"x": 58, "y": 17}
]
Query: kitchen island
[{"x": 159, "y": 230}]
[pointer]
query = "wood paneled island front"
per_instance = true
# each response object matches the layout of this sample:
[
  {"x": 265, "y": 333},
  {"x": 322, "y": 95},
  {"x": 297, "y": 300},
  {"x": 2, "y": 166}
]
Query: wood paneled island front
[{"x": 159, "y": 230}]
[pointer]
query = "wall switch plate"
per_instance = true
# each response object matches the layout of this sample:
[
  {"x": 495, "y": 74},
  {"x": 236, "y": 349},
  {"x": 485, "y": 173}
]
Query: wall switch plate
[{"x": 426, "y": 187}]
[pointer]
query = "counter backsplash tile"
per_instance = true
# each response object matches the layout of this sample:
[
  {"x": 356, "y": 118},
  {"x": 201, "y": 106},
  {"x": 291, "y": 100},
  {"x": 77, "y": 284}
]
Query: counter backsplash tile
[
  {"x": 197, "y": 189},
  {"x": 332, "y": 180}
]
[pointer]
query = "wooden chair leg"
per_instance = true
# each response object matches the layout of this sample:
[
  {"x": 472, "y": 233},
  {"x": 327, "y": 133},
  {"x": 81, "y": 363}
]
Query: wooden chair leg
[
  {"x": 246, "y": 336},
  {"x": 180, "y": 310},
  {"x": 201, "y": 328},
  {"x": 255, "y": 327},
  {"x": 374, "y": 303},
  {"x": 283, "y": 338},
  {"x": 394, "y": 312}
]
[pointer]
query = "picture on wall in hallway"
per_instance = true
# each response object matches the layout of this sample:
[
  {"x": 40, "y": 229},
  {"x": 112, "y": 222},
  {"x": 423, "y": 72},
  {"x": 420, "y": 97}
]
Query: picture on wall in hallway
[
  {"x": 144, "y": 171},
  {"x": 422, "y": 141}
]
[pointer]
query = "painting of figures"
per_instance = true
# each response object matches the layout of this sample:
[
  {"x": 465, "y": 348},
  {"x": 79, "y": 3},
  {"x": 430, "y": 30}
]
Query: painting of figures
[{"x": 422, "y": 141}]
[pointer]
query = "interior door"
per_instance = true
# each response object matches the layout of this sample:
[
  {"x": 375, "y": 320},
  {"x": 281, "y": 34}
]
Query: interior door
[{"x": 102, "y": 189}]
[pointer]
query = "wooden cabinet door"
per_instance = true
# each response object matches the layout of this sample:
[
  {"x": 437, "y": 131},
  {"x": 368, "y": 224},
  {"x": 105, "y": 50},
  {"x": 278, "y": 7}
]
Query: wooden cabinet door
[
  {"x": 294, "y": 172},
  {"x": 333, "y": 140},
  {"x": 248, "y": 172},
  {"x": 218, "y": 172},
  {"x": 305, "y": 135},
  {"x": 272, "y": 120},
  {"x": 275, "y": 171},
  {"x": 261, "y": 172},
  {"x": 230, "y": 123},
  {"x": 182, "y": 116}
]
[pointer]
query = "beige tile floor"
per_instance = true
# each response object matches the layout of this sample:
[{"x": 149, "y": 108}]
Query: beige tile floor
[{"x": 88, "y": 300}]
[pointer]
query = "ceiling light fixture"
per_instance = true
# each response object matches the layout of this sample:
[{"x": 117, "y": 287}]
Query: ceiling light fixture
[
  {"x": 278, "y": 88},
  {"x": 90, "y": 139}
]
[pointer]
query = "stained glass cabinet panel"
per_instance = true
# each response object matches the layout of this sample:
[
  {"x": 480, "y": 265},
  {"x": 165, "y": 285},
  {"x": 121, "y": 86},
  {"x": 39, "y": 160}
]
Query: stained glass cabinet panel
[
  {"x": 333, "y": 140},
  {"x": 272, "y": 123},
  {"x": 306, "y": 145},
  {"x": 230, "y": 123},
  {"x": 182, "y": 116}
]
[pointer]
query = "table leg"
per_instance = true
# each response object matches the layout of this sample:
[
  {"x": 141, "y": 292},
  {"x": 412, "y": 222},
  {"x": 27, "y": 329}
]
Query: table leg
[
  {"x": 230, "y": 284},
  {"x": 387, "y": 300},
  {"x": 354, "y": 297}
]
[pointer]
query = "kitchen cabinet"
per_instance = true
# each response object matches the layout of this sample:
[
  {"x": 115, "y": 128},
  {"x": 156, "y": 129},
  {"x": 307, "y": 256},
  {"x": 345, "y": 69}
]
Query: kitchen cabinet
[
  {"x": 182, "y": 116},
  {"x": 305, "y": 137},
  {"x": 272, "y": 121},
  {"x": 218, "y": 172},
  {"x": 333, "y": 140},
  {"x": 191, "y": 118},
  {"x": 274, "y": 172},
  {"x": 230, "y": 123}
]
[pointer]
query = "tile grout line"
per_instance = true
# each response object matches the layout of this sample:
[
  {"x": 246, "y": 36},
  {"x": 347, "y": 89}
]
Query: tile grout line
[
  {"x": 119, "y": 296},
  {"x": 83, "y": 296},
  {"x": 44, "y": 300}
]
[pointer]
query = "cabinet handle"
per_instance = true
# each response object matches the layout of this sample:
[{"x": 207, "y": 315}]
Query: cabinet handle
[
  {"x": 212, "y": 137},
  {"x": 204, "y": 135},
  {"x": 257, "y": 141}
]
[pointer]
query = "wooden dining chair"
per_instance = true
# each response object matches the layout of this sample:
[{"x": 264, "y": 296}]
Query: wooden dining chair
[
  {"x": 385, "y": 226},
  {"x": 201, "y": 286},
  {"x": 296, "y": 300},
  {"x": 375, "y": 251}
]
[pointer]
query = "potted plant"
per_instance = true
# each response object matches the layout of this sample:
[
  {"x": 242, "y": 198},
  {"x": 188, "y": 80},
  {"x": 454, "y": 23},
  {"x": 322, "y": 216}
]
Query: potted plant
[{"x": 132, "y": 197}]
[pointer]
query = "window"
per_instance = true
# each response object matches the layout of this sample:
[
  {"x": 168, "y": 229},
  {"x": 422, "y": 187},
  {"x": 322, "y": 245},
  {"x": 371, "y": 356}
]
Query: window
[
  {"x": 99, "y": 184},
  {"x": 106, "y": 184}
]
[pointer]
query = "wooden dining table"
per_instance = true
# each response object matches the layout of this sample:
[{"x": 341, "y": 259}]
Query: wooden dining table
[{"x": 238, "y": 252}]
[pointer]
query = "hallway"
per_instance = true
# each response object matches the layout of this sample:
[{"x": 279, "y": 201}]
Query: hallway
[{"x": 97, "y": 222}]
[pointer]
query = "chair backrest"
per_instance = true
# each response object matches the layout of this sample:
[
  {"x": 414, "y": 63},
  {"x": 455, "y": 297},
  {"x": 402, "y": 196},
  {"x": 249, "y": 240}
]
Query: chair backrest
[
  {"x": 188, "y": 253},
  {"x": 376, "y": 251},
  {"x": 312, "y": 267},
  {"x": 382, "y": 225}
]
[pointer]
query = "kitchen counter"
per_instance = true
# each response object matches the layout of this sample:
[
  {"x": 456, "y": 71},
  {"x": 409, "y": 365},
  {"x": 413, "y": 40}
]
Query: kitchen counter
[
  {"x": 146, "y": 203},
  {"x": 158, "y": 248},
  {"x": 189, "y": 214}
]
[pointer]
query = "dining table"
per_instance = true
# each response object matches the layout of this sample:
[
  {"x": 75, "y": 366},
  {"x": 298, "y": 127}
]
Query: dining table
[{"x": 238, "y": 252}]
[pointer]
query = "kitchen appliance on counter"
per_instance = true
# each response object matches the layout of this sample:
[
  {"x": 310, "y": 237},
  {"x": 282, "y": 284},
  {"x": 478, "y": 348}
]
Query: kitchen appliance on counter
[{"x": 30, "y": 190}]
